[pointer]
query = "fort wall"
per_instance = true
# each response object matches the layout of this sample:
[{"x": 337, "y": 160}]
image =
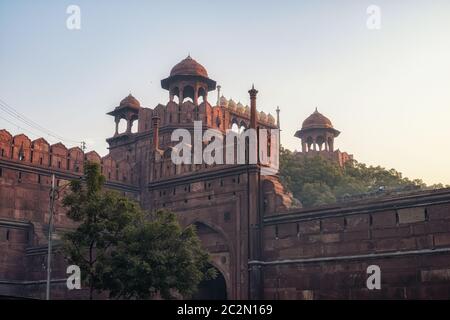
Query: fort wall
[{"x": 324, "y": 253}]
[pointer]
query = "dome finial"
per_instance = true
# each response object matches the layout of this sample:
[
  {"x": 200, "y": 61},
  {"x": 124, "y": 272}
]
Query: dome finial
[{"x": 316, "y": 110}]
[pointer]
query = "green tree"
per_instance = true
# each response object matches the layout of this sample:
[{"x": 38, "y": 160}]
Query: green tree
[
  {"x": 317, "y": 194},
  {"x": 318, "y": 181},
  {"x": 122, "y": 250},
  {"x": 157, "y": 256},
  {"x": 101, "y": 217}
]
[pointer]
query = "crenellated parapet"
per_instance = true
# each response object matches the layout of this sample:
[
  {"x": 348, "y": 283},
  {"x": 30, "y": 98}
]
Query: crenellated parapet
[
  {"x": 39, "y": 154},
  {"x": 221, "y": 117}
]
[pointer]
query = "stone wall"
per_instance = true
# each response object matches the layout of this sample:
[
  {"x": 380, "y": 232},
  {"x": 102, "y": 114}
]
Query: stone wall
[
  {"x": 324, "y": 253},
  {"x": 25, "y": 180}
]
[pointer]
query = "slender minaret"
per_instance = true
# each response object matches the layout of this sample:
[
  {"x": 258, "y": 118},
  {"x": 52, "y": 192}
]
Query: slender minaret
[
  {"x": 278, "y": 117},
  {"x": 218, "y": 95},
  {"x": 254, "y": 211},
  {"x": 279, "y": 127},
  {"x": 155, "y": 121},
  {"x": 253, "y": 117}
]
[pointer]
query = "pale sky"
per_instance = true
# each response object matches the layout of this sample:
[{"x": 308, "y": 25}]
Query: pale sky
[{"x": 386, "y": 90}]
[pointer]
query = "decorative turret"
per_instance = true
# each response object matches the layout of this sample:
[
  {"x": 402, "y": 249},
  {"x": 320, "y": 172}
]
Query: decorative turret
[
  {"x": 317, "y": 133},
  {"x": 240, "y": 107},
  {"x": 223, "y": 102},
  {"x": 232, "y": 105},
  {"x": 128, "y": 109},
  {"x": 188, "y": 79}
]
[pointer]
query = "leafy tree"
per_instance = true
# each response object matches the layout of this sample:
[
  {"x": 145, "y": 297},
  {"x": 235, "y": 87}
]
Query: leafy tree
[
  {"x": 317, "y": 194},
  {"x": 102, "y": 218},
  {"x": 122, "y": 250},
  {"x": 318, "y": 181},
  {"x": 157, "y": 256}
]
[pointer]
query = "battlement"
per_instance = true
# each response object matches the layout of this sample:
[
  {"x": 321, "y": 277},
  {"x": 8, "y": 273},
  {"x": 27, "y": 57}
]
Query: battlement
[
  {"x": 217, "y": 117},
  {"x": 57, "y": 157}
]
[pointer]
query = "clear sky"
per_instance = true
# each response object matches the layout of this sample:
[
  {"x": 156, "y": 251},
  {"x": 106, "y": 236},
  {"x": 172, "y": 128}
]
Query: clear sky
[{"x": 386, "y": 90}]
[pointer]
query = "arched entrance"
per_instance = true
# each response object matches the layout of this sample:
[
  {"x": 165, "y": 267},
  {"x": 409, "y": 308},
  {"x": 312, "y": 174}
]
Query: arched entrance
[
  {"x": 216, "y": 244},
  {"x": 214, "y": 289}
]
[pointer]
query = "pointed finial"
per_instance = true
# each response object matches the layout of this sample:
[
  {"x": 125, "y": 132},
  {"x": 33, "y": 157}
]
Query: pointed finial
[
  {"x": 253, "y": 86},
  {"x": 316, "y": 110},
  {"x": 278, "y": 116},
  {"x": 218, "y": 94}
]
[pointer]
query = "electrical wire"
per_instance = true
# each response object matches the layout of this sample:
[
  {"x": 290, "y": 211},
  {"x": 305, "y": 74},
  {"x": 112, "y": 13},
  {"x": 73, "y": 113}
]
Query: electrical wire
[{"x": 32, "y": 124}]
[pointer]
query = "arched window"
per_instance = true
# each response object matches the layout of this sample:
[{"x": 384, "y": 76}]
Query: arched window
[
  {"x": 188, "y": 93},
  {"x": 320, "y": 141},
  {"x": 201, "y": 93},
  {"x": 309, "y": 142},
  {"x": 175, "y": 94}
]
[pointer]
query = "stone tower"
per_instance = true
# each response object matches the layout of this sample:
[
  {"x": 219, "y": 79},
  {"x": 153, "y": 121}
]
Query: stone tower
[{"x": 317, "y": 136}]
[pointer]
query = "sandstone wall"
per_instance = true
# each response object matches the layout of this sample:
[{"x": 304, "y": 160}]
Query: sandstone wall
[{"x": 324, "y": 254}]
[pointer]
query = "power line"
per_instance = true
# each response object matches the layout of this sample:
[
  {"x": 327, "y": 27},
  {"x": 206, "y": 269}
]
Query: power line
[
  {"x": 18, "y": 116},
  {"x": 14, "y": 113},
  {"x": 15, "y": 125}
]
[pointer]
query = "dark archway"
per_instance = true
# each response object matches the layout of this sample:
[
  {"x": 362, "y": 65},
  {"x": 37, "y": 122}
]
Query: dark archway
[{"x": 214, "y": 289}]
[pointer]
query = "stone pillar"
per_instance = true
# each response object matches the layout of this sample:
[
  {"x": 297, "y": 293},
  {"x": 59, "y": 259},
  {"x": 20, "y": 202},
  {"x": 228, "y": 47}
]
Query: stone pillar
[
  {"x": 278, "y": 117},
  {"x": 254, "y": 213},
  {"x": 195, "y": 96},
  {"x": 180, "y": 95},
  {"x": 129, "y": 123},
  {"x": 155, "y": 120},
  {"x": 253, "y": 116},
  {"x": 218, "y": 95}
]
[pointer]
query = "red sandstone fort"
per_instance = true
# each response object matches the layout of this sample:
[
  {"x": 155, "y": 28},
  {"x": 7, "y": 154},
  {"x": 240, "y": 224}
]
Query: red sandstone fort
[{"x": 262, "y": 246}]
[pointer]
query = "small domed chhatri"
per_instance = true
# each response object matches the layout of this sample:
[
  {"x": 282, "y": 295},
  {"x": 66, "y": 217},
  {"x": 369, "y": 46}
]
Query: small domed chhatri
[
  {"x": 232, "y": 104},
  {"x": 188, "y": 79},
  {"x": 262, "y": 116},
  {"x": 317, "y": 135},
  {"x": 240, "y": 107},
  {"x": 127, "y": 109},
  {"x": 223, "y": 101},
  {"x": 317, "y": 120},
  {"x": 189, "y": 67},
  {"x": 130, "y": 101}
]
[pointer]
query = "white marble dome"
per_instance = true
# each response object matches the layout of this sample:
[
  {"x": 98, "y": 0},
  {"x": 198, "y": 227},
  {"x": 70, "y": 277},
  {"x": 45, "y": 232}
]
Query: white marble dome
[
  {"x": 223, "y": 102},
  {"x": 262, "y": 116},
  {"x": 232, "y": 104},
  {"x": 240, "y": 107}
]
